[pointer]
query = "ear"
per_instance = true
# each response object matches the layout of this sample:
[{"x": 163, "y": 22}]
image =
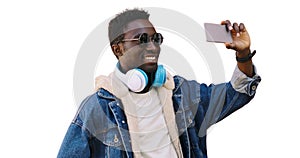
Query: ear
[{"x": 116, "y": 48}]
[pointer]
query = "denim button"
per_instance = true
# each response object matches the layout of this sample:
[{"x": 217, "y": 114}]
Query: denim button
[
  {"x": 190, "y": 120},
  {"x": 116, "y": 139},
  {"x": 253, "y": 87},
  {"x": 123, "y": 121}
]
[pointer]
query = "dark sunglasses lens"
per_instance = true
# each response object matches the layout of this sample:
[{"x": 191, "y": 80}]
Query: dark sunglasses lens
[
  {"x": 143, "y": 38},
  {"x": 157, "y": 38}
]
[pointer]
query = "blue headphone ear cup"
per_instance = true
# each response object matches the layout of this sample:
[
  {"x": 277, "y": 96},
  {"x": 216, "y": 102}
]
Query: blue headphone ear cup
[
  {"x": 160, "y": 76},
  {"x": 137, "y": 80}
]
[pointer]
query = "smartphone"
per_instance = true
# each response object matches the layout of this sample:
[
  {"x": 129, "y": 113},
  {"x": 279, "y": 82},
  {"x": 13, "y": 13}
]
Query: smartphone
[{"x": 217, "y": 33}]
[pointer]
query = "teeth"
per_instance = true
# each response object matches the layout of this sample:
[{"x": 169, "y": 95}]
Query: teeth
[{"x": 150, "y": 58}]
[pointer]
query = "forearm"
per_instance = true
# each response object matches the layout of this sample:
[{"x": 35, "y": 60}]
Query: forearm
[{"x": 246, "y": 67}]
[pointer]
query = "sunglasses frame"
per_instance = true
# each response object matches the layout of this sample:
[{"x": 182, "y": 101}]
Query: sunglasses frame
[{"x": 145, "y": 38}]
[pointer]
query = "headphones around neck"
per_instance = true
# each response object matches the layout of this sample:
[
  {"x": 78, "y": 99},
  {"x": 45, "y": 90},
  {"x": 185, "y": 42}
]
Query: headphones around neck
[{"x": 136, "y": 79}]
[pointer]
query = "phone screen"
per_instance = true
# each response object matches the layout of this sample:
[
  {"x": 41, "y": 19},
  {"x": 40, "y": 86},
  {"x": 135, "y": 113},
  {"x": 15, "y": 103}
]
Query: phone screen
[{"x": 217, "y": 33}]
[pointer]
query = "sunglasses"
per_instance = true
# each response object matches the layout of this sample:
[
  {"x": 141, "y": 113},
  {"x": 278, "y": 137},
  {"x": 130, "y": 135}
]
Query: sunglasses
[{"x": 144, "y": 38}]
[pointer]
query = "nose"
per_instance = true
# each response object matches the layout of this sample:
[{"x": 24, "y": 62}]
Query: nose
[{"x": 151, "y": 46}]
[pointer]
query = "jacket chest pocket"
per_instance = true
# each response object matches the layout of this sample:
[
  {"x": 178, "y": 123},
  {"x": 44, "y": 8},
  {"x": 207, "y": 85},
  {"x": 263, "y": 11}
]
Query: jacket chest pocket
[
  {"x": 110, "y": 137},
  {"x": 112, "y": 143}
]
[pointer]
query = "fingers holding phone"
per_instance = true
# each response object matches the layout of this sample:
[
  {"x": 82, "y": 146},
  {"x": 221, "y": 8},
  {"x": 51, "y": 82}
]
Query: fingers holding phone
[{"x": 235, "y": 36}]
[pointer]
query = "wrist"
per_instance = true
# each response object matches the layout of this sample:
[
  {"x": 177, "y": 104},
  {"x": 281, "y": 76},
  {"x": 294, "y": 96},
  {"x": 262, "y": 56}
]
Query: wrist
[
  {"x": 243, "y": 57},
  {"x": 243, "y": 53}
]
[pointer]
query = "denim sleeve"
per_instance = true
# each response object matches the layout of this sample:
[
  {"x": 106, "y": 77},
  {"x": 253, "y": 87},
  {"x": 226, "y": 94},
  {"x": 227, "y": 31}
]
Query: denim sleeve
[
  {"x": 75, "y": 143},
  {"x": 219, "y": 101}
]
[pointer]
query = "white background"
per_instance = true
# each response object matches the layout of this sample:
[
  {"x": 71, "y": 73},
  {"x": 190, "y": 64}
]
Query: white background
[{"x": 39, "y": 42}]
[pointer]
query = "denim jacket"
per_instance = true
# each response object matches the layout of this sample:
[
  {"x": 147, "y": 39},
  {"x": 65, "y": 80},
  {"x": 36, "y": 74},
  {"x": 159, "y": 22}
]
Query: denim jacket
[{"x": 100, "y": 129}]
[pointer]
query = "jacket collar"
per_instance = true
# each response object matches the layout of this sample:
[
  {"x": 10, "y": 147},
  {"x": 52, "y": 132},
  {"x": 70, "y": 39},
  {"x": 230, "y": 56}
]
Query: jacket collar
[{"x": 177, "y": 83}]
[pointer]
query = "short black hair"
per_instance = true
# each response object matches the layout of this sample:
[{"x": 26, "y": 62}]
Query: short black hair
[{"x": 117, "y": 24}]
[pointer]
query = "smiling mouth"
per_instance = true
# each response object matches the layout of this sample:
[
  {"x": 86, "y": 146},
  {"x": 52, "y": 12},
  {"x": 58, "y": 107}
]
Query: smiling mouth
[{"x": 150, "y": 58}]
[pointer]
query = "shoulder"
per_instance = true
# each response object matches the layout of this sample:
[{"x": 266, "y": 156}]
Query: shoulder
[
  {"x": 93, "y": 114},
  {"x": 87, "y": 106},
  {"x": 181, "y": 82},
  {"x": 188, "y": 89},
  {"x": 93, "y": 106}
]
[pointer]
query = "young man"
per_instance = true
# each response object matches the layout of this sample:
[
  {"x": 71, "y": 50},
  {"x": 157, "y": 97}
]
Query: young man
[{"x": 140, "y": 110}]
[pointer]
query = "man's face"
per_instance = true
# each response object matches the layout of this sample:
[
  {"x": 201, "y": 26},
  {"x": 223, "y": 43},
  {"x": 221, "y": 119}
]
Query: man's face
[{"x": 134, "y": 54}]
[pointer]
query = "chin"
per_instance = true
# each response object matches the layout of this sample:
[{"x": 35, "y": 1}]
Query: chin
[{"x": 149, "y": 67}]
